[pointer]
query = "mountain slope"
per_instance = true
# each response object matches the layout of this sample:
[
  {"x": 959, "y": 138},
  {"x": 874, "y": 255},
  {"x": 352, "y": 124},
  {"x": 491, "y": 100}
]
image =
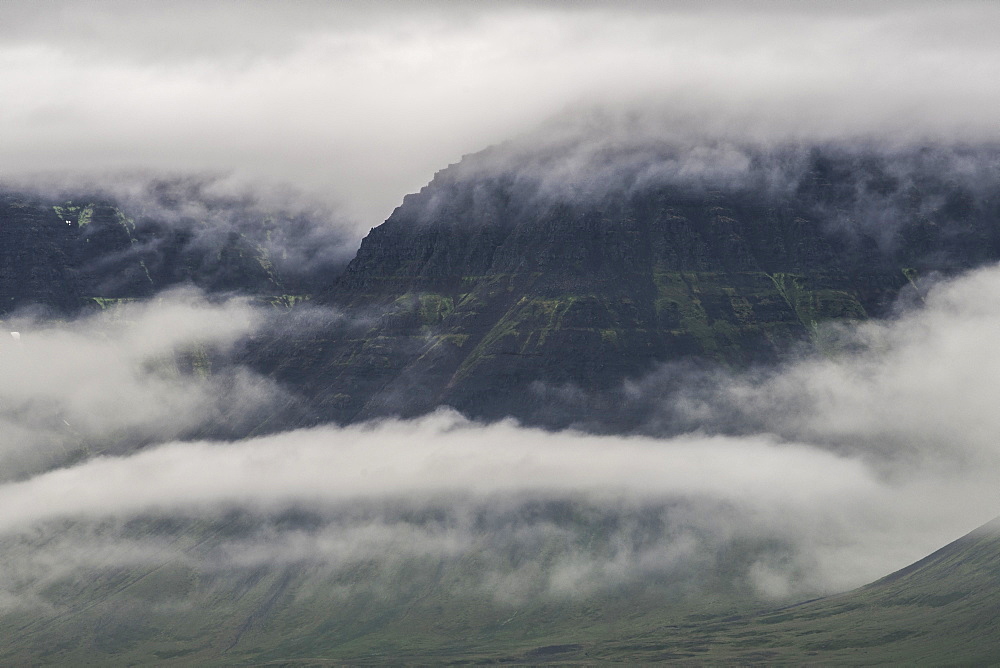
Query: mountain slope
[
  {"x": 941, "y": 610},
  {"x": 65, "y": 256},
  {"x": 72, "y": 250},
  {"x": 495, "y": 287},
  {"x": 537, "y": 270},
  {"x": 482, "y": 291}
]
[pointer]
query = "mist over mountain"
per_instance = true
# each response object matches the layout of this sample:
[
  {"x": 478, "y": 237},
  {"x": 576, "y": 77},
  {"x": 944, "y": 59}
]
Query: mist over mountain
[
  {"x": 735, "y": 305},
  {"x": 359, "y": 103},
  {"x": 68, "y": 244},
  {"x": 541, "y": 269},
  {"x": 542, "y": 278},
  {"x": 699, "y": 370}
]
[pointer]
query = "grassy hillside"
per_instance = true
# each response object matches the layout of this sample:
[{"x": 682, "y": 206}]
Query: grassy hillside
[{"x": 941, "y": 610}]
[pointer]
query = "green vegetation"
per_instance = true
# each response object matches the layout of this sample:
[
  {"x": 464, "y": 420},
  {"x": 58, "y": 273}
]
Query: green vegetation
[
  {"x": 201, "y": 363},
  {"x": 939, "y": 611},
  {"x": 610, "y": 336},
  {"x": 814, "y": 306},
  {"x": 526, "y": 329},
  {"x": 68, "y": 211},
  {"x": 434, "y": 308},
  {"x": 498, "y": 322},
  {"x": 145, "y": 270},
  {"x": 112, "y": 303},
  {"x": 679, "y": 306},
  {"x": 126, "y": 223},
  {"x": 457, "y": 340}
]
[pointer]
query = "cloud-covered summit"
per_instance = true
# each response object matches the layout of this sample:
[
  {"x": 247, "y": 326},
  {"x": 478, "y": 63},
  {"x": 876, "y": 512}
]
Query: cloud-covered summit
[{"x": 132, "y": 466}]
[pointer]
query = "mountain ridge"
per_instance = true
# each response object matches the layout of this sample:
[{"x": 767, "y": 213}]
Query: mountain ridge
[
  {"x": 516, "y": 283},
  {"x": 521, "y": 270},
  {"x": 483, "y": 293}
]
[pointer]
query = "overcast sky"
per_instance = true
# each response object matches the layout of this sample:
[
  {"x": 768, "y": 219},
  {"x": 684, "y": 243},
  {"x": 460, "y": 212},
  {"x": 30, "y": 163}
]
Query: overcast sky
[{"x": 363, "y": 102}]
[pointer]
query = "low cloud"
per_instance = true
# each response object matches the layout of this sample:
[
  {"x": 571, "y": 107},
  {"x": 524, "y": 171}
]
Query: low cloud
[
  {"x": 581, "y": 512},
  {"x": 182, "y": 222},
  {"x": 904, "y": 393},
  {"x": 134, "y": 373},
  {"x": 820, "y": 475}
]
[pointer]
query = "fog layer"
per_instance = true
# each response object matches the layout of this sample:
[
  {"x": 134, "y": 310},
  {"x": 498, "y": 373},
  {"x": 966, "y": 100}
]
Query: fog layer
[
  {"x": 845, "y": 467},
  {"x": 136, "y": 373}
]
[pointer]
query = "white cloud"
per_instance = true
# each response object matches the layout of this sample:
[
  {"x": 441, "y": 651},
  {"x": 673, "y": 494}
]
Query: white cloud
[
  {"x": 862, "y": 464},
  {"x": 877, "y": 457},
  {"x": 114, "y": 378},
  {"x": 363, "y": 105}
]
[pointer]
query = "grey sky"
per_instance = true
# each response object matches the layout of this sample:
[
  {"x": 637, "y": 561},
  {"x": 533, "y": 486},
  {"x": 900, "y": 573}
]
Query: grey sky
[{"x": 362, "y": 102}]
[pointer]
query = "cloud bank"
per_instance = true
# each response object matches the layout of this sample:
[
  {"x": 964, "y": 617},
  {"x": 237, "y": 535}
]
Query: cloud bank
[
  {"x": 843, "y": 468},
  {"x": 361, "y": 103},
  {"x": 814, "y": 478},
  {"x": 136, "y": 373}
]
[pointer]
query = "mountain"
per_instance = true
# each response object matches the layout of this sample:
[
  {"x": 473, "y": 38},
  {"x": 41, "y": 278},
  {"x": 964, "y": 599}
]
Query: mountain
[
  {"x": 941, "y": 610},
  {"x": 535, "y": 279},
  {"x": 89, "y": 248},
  {"x": 532, "y": 282},
  {"x": 497, "y": 290}
]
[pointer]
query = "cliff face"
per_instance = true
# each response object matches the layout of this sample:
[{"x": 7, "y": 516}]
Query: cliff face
[
  {"x": 68, "y": 253},
  {"x": 35, "y": 257},
  {"x": 492, "y": 288},
  {"x": 519, "y": 272}
]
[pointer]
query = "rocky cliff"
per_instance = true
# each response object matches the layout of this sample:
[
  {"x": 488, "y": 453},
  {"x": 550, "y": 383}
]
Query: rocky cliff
[
  {"x": 526, "y": 270},
  {"x": 87, "y": 248},
  {"x": 494, "y": 284}
]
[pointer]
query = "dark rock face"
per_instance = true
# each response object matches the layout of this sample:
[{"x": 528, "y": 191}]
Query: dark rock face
[
  {"x": 36, "y": 258},
  {"x": 500, "y": 283},
  {"x": 494, "y": 290},
  {"x": 71, "y": 252},
  {"x": 66, "y": 257}
]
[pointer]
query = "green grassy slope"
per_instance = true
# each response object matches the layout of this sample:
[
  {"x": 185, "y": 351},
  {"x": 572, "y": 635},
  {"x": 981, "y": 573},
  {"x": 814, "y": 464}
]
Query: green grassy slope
[
  {"x": 415, "y": 610},
  {"x": 942, "y": 610}
]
